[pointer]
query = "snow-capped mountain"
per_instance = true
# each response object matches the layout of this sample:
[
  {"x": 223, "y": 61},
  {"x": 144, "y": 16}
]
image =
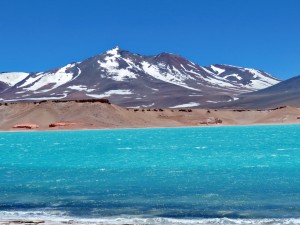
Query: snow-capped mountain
[
  {"x": 127, "y": 79},
  {"x": 285, "y": 93}
]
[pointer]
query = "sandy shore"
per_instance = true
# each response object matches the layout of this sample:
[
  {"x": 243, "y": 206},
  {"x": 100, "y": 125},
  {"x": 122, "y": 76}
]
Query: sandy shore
[{"x": 86, "y": 115}]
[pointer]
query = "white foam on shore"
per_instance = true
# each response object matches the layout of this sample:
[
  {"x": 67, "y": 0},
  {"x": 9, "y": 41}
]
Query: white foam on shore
[{"x": 56, "y": 217}]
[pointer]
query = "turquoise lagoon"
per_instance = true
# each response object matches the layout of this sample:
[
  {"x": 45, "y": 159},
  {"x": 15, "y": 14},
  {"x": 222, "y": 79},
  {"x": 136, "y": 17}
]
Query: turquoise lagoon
[{"x": 211, "y": 175}]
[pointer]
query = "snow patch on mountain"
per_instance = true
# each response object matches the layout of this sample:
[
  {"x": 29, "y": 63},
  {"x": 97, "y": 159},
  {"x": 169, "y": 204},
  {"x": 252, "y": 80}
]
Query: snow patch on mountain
[
  {"x": 258, "y": 84},
  {"x": 217, "y": 69},
  {"x": 257, "y": 74},
  {"x": 13, "y": 78},
  {"x": 78, "y": 73},
  {"x": 114, "y": 51},
  {"x": 111, "y": 92},
  {"x": 191, "y": 104},
  {"x": 247, "y": 78},
  {"x": 233, "y": 75},
  {"x": 58, "y": 79},
  {"x": 219, "y": 82},
  {"x": 31, "y": 80},
  {"x": 55, "y": 79},
  {"x": 169, "y": 77},
  {"x": 111, "y": 66},
  {"x": 81, "y": 88},
  {"x": 260, "y": 80},
  {"x": 207, "y": 71}
]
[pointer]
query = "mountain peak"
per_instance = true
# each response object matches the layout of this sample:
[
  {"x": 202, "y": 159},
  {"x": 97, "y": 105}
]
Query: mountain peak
[
  {"x": 114, "y": 51},
  {"x": 167, "y": 54},
  {"x": 129, "y": 79}
]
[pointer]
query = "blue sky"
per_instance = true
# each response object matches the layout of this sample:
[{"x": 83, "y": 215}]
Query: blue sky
[{"x": 39, "y": 35}]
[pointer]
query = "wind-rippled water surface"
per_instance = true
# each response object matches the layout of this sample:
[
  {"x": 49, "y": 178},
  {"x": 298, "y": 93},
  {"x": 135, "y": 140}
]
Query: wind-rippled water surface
[{"x": 154, "y": 176}]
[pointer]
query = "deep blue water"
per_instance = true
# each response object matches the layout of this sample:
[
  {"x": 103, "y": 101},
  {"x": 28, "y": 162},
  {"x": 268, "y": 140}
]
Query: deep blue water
[{"x": 244, "y": 172}]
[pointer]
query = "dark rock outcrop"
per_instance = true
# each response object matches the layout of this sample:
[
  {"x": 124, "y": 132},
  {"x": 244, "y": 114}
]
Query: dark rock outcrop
[{"x": 26, "y": 126}]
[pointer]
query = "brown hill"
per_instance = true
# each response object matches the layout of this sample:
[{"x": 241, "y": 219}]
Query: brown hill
[{"x": 97, "y": 115}]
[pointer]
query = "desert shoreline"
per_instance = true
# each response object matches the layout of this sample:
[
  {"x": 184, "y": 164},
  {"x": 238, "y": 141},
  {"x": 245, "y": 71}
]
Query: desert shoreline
[
  {"x": 58, "y": 116},
  {"x": 141, "y": 128}
]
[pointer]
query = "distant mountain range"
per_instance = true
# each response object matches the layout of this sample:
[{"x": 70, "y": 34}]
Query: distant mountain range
[
  {"x": 285, "y": 93},
  {"x": 133, "y": 80}
]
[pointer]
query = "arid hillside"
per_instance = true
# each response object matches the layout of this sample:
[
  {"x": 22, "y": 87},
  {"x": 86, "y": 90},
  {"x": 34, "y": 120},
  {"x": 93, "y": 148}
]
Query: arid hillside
[{"x": 51, "y": 115}]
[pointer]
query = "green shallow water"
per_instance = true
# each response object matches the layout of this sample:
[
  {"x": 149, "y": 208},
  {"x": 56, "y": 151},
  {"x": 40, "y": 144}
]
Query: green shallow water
[{"x": 244, "y": 172}]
